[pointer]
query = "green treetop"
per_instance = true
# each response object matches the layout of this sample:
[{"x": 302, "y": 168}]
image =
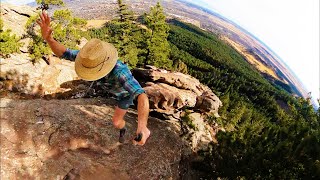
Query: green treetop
[
  {"x": 122, "y": 34},
  {"x": 53, "y": 2},
  {"x": 1, "y": 24},
  {"x": 157, "y": 44},
  {"x": 66, "y": 29}
]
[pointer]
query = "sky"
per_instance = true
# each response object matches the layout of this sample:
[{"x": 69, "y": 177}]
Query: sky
[
  {"x": 18, "y": 2},
  {"x": 289, "y": 27}
]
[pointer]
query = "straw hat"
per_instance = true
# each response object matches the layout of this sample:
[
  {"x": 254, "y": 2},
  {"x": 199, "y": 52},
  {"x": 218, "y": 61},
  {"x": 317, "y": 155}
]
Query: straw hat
[{"x": 95, "y": 60}]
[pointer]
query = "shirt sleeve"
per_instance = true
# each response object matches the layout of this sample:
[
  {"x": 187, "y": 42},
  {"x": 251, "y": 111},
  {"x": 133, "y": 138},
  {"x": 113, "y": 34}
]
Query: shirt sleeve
[
  {"x": 70, "y": 54},
  {"x": 129, "y": 83}
]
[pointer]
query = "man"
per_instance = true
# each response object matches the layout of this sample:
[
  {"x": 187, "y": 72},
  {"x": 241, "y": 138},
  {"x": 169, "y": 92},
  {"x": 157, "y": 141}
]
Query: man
[{"x": 96, "y": 60}]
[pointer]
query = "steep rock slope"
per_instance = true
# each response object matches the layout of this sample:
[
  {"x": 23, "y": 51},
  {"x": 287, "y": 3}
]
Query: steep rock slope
[{"x": 75, "y": 138}]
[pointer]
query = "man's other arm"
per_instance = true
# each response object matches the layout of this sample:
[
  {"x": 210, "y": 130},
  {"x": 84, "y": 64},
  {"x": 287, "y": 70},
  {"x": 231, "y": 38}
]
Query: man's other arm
[
  {"x": 46, "y": 32},
  {"x": 133, "y": 87}
]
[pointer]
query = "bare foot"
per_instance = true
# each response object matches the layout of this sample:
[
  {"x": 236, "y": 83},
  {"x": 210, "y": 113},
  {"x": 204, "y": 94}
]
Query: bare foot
[{"x": 145, "y": 135}]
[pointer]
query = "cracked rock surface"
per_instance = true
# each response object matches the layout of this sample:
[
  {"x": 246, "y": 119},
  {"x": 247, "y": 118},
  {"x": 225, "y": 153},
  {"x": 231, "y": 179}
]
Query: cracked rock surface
[
  {"x": 15, "y": 17},
  {"x": 75, "y": 139}
]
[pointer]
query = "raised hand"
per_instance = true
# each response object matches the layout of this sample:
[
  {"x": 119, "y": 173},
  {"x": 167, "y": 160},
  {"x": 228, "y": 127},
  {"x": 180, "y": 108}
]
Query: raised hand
[{"x": 44, "y": 24}]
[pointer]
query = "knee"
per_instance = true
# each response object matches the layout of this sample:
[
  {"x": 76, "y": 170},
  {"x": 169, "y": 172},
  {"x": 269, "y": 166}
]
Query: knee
[{"x": 117, "y": 123}]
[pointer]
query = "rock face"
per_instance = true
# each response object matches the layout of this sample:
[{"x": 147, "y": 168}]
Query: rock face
[
  {"x": 198, "y": 133},
  {"x": 208, "y": 102},
  {"x": 61, "y": 139},
  {"x": 20, "y": 75},
  {"x": 15, "y": 17},
  {"x": 171, "y": 91},
  {"x": 167, "y": 99}
]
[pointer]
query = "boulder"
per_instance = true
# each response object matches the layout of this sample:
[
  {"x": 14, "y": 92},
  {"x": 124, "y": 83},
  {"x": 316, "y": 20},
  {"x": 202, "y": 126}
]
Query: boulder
[
  {"x": 165, "y": 97},
  {"x": 208, "y": 103},
  {"x": 176, "y": 79},
  {"x": 15, "y": 17},
  {"x": 173, "y": 90},
  {"x": 19, "y": 74}
]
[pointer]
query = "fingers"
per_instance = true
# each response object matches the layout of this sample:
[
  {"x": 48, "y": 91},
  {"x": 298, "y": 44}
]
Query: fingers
[
  {"x": 47, "y": 18},
  {"x": 142, "y": 136},
  {"x": 39, "y": 22},
  {"x": 139, "y": 137},
  {"x": 42, "y": 17},
  {"x": 135, "y": 142},
  {"x": 139, "y": 140}
]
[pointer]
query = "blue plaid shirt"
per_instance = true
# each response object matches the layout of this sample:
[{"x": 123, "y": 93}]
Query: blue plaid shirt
[{"x": 120, "y": 80}]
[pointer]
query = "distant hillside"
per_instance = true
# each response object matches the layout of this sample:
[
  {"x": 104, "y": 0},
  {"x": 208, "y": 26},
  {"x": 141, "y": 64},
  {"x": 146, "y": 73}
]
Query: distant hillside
[
  {"x": 268, "y": 55},
  {"x": 245, "y": 42}
]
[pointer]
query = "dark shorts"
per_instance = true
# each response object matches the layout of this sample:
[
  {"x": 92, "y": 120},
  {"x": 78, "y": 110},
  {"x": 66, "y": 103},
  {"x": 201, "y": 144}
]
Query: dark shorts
[{"x": 125, "y": 103}]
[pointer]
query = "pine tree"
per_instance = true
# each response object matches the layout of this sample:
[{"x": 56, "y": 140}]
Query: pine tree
[
  {"x": 157, "y": 45},
  {"x": 66, "y": 30},
  {"x": 226, "y": 102},
  {"x": 53, "y": 2},
  {"x": 122, "y": 32},
  {"x": 37, "y": 47},
  {"x": 124, "y": 14}
]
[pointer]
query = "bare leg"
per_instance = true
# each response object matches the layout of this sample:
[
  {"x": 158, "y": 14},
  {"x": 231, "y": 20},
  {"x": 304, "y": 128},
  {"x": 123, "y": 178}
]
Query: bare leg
[{"x": 119, "y": 123}]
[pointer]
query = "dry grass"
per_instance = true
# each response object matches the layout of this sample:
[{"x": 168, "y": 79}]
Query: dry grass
[
  {"x": 251, "y": 59},
  {"x": 95, "y": 23}
]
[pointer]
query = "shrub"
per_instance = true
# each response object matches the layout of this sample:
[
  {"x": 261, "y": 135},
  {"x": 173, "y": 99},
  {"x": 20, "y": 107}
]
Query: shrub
[{"x": 9, "y": 43}]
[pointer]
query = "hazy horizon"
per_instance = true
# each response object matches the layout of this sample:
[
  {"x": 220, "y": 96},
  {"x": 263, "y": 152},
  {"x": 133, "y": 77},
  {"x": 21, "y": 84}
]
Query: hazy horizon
[{"x": 276, "y": 31}]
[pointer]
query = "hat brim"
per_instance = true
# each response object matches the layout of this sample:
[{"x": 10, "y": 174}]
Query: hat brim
[{"x": 92, "y": 74}]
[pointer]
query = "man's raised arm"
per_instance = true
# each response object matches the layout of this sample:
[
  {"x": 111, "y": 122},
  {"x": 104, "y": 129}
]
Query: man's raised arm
[{"x": 46, "y": 32}]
